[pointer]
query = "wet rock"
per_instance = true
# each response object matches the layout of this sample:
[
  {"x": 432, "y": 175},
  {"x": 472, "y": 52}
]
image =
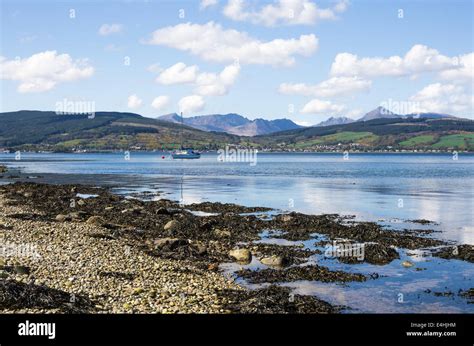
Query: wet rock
[
  {"x": 171, "y": 225},
  {"x": 3, "y": 169},
  {"x": 460, "y": 252},
  {"x": 407, "y": 264},
  {"x": 61, "y": 218},
  {"x": 423, "y": 222},
  {"x": 371, "y": 253},
  {"x": 18, "y": 295},
  {"x": 274, "y": 261},
  {"x": 310, "y": 273},
  {"x": 241, "y": 255},
  {"x": 274, "y": 299},
  {"x": 212, "y": 207},
  {"x": 293, "y": 254}
]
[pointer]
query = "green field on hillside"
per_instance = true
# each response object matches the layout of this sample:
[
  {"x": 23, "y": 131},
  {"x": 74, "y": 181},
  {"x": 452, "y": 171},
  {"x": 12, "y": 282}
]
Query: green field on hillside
[
  {"x": 340, "y": 137},
  {"x": 458, "y": 141},
  {"x": 418, "y": 140}
]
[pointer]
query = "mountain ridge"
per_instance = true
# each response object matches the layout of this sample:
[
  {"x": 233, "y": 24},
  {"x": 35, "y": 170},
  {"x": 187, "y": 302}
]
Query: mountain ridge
[
  {"x": 49, "y": 131},
  {"x": 233, "y": 123}
]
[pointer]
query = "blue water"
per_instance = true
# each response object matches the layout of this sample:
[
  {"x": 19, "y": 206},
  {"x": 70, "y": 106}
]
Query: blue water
[{"x": 387, "y": 188}]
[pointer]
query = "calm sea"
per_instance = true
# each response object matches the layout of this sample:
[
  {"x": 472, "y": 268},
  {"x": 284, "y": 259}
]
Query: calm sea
[{"x": 387, "y": 188}]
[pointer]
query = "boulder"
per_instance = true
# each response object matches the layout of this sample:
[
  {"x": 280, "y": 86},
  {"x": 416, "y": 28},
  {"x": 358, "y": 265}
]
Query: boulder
[
  {"x": 61, "y": 217},
  {"x": 241, "y": 255},
  {"x": 407, "y": 264},
  {"x": 274, "y": 261},
  {"x": 170, "y": 225}
]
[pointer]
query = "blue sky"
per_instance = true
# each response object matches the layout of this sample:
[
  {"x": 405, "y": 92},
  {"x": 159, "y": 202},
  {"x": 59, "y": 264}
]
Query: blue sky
[{"x": 269, "y": 81}]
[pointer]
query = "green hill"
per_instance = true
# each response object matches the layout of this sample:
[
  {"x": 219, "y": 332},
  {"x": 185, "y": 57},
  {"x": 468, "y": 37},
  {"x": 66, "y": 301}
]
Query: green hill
[
  {"x": 379, "y": 134},
  {"x": 36, "y": 130},
  {"x": 106, "y": 131}
]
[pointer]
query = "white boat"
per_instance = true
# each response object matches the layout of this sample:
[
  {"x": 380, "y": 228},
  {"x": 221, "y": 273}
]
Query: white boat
[{"x": 184, "y": 153}]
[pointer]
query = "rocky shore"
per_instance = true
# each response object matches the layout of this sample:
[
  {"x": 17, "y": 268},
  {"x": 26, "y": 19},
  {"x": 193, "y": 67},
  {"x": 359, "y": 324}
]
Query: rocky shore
[{"x": 92, "y": 251}]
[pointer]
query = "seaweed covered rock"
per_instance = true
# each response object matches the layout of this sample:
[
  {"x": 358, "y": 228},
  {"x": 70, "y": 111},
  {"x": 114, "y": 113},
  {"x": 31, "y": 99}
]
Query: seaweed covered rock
[
  {"x": 460, "y": 252},
  {"x": 274, "y": 300},
  {"x": 309, "y": 272},
  {"x": 15, "y": 295}
]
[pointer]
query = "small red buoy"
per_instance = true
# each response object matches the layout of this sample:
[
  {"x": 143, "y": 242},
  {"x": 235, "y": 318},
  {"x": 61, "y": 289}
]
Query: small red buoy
[{"x": 162, "y": 157}]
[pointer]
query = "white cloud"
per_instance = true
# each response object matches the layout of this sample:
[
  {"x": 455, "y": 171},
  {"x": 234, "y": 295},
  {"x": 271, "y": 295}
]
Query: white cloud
[
  {"x": 316, "y": 106},
  {"x": 108, "y": 29},
  {"x": 465, "y": 71},
  {"x": 419, "y": 59},
  {"x": 134, "y": 101},
  {"x": 160, "y": 102},
  {"x": 43, "y": 71},
  {"x": 191, "y": 104},
  {"x": 205, "y": 83},
  {"x": 302, "y": 123},
  {"x": 210, "y": 84},
  {"x": 443, "y": 98},
  {"x": 213, "y": 43},
  {"x": 335, "y": 86},
  {"x": 285, "y": 11},
  {"x": 178, "y": 74},
  {"x": 155, "y": 68},
  {"x": 207, "y": 3}
]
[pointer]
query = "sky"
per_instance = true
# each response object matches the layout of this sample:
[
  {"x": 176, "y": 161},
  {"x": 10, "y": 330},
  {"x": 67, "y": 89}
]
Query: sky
[{"x": 305, "y": 60}]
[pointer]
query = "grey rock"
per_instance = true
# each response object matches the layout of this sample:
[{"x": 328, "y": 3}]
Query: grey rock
[{"x": 241, "y": 255}]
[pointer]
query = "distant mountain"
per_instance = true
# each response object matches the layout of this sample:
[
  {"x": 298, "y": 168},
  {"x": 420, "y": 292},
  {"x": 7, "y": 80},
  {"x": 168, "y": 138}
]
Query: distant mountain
[
  {"x": 379, "y": 113},
  {"x": 336, "y": 121},
  {"x": 233, "y": 123},
  {"x": 383, "y": 113}
]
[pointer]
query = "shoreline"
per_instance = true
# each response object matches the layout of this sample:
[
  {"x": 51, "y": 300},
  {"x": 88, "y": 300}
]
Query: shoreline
[
  {"x": 114, "y": 255},
  {"x": 260, "y": 151}
]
